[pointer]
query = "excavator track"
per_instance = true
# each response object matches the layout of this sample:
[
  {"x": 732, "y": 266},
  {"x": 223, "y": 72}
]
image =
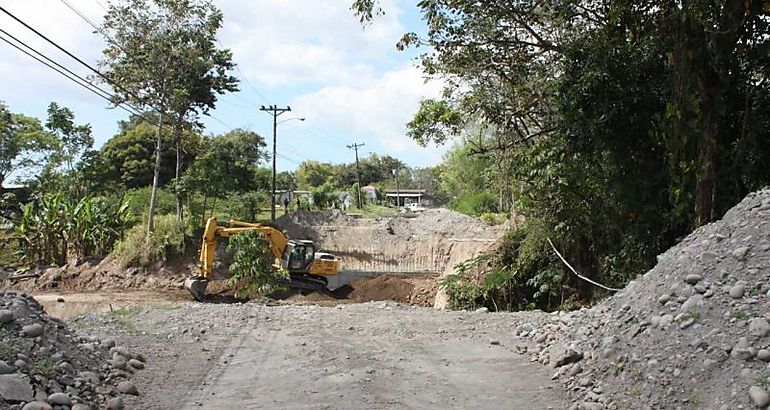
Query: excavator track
[{"x": 304, "y": 283}]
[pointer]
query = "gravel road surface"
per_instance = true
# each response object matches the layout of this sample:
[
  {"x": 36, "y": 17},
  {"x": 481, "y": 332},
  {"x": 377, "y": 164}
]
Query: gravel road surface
[{"x": 377, "y": 355}]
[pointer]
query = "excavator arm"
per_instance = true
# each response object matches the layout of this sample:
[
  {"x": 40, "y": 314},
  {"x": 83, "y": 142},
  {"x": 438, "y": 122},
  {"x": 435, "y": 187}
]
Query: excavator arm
[{"x": 275, "y": 239}]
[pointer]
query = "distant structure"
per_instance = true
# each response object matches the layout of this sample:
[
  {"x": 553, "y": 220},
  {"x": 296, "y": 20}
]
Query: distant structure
[{"x": 408, "y": 196}]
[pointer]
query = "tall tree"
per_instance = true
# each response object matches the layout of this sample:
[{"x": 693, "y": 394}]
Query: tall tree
[
  {"x": 24, "y": 144},
  {"x": 163, "y": 56}
]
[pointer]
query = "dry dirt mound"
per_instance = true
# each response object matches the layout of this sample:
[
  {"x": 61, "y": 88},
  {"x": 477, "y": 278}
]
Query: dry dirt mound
[
  {"x": 104, "y": 274},
  {"x": 43, "y": 363},
  {"x": 432, "y": 241},
  {"x": 691, "y": 333},
  {"x": 410, "y": 290}
]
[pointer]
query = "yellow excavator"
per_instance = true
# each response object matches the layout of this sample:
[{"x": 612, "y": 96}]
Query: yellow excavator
[{"x": 307, "y": 268}]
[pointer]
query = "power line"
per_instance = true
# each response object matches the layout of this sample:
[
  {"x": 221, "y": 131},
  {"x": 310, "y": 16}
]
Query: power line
[
  {"x": 74, "y": 57},
  {"x": 100, "y": 5},
  {"x": 62, "y": 72},
  {"x": 356, "y": 146},
  {"x": 106, "y": 93},
  {"x": 83, "y": 16}
]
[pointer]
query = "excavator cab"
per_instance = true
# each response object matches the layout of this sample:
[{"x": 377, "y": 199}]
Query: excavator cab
[{"x": 298, "y": 256}]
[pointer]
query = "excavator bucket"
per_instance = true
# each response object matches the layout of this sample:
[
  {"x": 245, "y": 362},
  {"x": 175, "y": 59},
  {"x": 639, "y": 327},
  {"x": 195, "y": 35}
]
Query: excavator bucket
[{"x": 197, "y": 287}]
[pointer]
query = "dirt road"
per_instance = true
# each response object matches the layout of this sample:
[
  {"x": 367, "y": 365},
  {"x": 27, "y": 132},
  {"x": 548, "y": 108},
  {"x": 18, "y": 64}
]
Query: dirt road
[{"x": 377, "y": 355}]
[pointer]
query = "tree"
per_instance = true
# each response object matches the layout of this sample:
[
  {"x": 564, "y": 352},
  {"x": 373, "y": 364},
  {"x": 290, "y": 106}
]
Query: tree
[
  {"x": 163, "y": 56},
  {"x": 129, "y": 155},
  {"x": 24, "y": 144},
  {"x": 229, "y": 163},
  {"x": 286, "y": 180},
  {"x": 312, "y": 174}
]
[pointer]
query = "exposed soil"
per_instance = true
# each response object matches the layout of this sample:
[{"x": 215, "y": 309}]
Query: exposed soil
[
  {"x": 432, "y": 241},
  {"x": 423, "y": 245}
]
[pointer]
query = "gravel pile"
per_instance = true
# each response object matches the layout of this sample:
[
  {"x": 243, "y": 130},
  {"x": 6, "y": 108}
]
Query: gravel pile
[
  {"x": 43, "y": 365},
  {"x": 691, "y": 333}
]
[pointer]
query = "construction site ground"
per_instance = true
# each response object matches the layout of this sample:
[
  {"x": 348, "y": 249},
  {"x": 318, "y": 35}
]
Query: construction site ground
[
  {"x": 375, "y": 355},
  {"x": 692, "y": 333}
]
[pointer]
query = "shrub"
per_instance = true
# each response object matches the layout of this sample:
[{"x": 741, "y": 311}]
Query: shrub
[
  {"x": 521, "y": 273},
  {"x": 474, "y": 203},
  {"x": 55, "y": 227},
  {"x": 137, "y": 248},
  {"x": 323, "y": 196},
  {"x": 139, "y": 201},
  {"x": 251, "y": 269},
  {"x": 494, "y": 218},
  {"x": 245, "y": 206}
]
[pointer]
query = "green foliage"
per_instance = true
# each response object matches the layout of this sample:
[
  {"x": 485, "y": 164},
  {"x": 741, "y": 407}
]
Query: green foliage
[
  {"x": 246, "y": 206},
  {"x": 312, "y": 174},
  {"x": 355, "y": 193},
  {"x": 139, "y": 198},
  {"x": 55, "y": 227},
  {"x": 324, "y": 196},
  {"x": 492, "y": 218},
  {"x": 228, "y": 164},
  {"x": 130, "y": 154},
  {"x": 44, "y": 367},
  {"x": 24, "y": 144},
  {"x": 474, "y": 203},
  {"x": 435, "y": 121},
  {"x": 251, "y": 269},
  {"x": 521, "y": 274},
  {"x": 165, "y": 55},
  {"x": 138, "y": 248},
  {"x": 463, "y": 294}
]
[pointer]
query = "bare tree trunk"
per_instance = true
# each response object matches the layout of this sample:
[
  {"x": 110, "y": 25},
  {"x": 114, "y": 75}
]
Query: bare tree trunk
[
  {"x": 156, "y": 175},
  {"x": 177, "y": 139},
  {"x": 707, "y": 151}
]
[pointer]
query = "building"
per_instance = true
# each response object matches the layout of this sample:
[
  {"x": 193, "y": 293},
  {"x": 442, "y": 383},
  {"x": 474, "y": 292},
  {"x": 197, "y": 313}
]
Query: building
[
  {"x": 370, "y": 193},
  {"x": 282, "y": 195},
  {"x": 407, "y": 196}
]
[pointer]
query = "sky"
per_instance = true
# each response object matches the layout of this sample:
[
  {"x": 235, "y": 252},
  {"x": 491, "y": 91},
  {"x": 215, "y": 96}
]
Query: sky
[{"x": 349, "y": 82}]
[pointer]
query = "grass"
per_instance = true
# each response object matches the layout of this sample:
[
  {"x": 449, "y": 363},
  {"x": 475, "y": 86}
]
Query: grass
[
  {"x": 43, "y": 367},
  {"x": 8, "y": 246},
  {"x": 123, "y": 316},
  {"x": 695, "y": 316},
  {"x": 738, "y": 314},
  {"x": 8, "y": 348},
  {"x": 764, "y": 381},
  {"x": 372, "y": 211}
]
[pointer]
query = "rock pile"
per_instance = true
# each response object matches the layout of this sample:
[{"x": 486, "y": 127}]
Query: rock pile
[
  {"x": 691, "y": 333},
  {"x": 43, "y": 365}
]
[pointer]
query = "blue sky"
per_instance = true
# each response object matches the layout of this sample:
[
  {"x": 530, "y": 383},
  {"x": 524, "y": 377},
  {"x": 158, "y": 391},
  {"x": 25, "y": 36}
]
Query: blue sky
[{"x": 350, "y": 83}]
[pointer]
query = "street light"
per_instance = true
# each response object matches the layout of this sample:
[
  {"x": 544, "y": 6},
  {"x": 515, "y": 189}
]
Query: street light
[{"x": 292, "y": 118}]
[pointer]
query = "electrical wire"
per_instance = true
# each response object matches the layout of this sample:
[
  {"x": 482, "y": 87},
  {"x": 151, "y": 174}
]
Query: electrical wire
[
  {"x": 62, "y": 49},
  {"x": 105, "y": 93},
  {"x": 83, "y": 16},
  {"x": 62, "y": 72}
]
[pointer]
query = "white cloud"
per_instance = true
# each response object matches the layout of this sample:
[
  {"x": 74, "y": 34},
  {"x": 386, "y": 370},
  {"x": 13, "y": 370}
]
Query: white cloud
[
  {"x": 290, "y": 42},
  {"x": 377, "y": 111}
]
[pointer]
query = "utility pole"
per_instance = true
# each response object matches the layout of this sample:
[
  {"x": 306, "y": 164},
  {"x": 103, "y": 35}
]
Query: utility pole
[
  {"x": 358, "y": 172},
  {"x": 398, "y": 189},
  {"x": 275, "y": 112}
]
